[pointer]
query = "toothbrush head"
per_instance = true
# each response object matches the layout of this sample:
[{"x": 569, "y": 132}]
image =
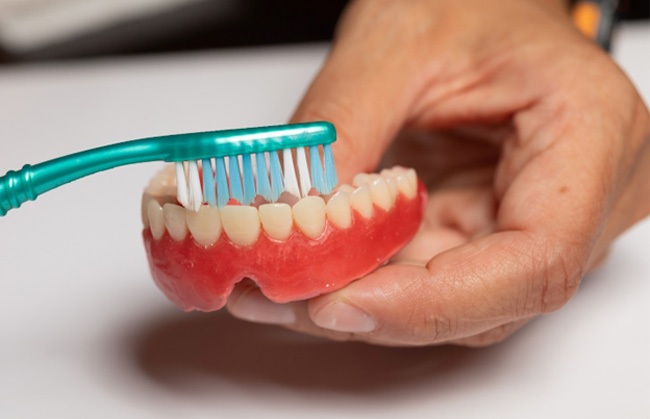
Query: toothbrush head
[{"x": 247, "y": 166}]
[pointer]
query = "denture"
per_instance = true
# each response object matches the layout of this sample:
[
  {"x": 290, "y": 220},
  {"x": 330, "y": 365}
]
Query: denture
[{"x": 293, "y": 249}]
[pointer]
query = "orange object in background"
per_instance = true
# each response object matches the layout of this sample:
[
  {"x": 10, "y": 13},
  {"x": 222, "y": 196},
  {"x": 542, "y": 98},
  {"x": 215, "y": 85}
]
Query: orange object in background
[{"x": 586, "y": 16}]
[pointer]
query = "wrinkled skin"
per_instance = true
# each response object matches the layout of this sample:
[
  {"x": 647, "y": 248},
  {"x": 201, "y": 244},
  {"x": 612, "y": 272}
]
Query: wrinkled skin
[{"x": 537, "y": 149}]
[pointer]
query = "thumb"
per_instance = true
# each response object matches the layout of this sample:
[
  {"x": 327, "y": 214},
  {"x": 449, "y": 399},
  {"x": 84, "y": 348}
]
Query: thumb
[
  {"x": 363, "y": 96},
  {"x": 463, "y": 292}
]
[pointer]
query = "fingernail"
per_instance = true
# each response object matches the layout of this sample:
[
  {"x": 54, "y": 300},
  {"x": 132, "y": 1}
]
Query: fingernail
[
  {"x": 254, "y": 307},
  {"x": 342, "y": 317}
]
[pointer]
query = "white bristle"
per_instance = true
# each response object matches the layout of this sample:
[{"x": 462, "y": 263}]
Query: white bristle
[
  {"x": 245, "y": 179},
  {"x": 303, "y": 171},
  {"x": 195, "y": 190},
  {"x": 182, "y": 194},
  {"x": 290, "y": 180}
]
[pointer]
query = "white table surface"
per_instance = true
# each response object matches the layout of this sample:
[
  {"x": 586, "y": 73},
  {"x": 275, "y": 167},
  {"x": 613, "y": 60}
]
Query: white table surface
[{"x": 85, "y": 333}]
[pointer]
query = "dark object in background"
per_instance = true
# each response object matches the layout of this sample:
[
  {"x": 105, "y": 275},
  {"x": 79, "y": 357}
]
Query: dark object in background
[
  {"x": 199, "y": 25},
  {"x": 218, "y": 24}
]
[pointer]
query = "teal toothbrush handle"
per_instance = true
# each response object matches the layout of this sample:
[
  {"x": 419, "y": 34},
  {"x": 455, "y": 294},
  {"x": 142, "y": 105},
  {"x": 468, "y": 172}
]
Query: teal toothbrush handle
[{"x": 26, "y": 184}]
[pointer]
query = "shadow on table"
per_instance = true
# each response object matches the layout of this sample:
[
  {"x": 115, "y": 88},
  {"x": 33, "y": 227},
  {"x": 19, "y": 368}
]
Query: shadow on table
[{"x": 176, "y": 350}]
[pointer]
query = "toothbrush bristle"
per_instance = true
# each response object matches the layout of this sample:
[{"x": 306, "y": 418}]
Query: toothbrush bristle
[
  {"x": 303, "y": 171},
  {"x": 290, "y": 180},
  {"x": 249, "y": 180},
  {"x": 215, "y": 181},
  {"x": 276, "y": 176},
  {"x": 223, "y": 196},
  {"x": 234, "y": 179},
  {"x": 209, "y": 189},
  {"x": 182, "y": 194},
  {"x": 194, "y": 184},
  {"x": 317, "y": 176},
  {"x": 262, "y": 177},
  {"x": 331, "y": 179}
]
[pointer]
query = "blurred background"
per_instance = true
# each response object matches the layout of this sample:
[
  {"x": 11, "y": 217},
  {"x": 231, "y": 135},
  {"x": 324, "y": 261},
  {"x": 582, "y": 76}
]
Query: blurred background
[
  {"x": 32, "y": 30},
  {"x": 36, "y": 30}
]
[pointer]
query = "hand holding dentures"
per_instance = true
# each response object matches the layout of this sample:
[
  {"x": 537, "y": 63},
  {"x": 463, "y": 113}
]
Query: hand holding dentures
[{"x": 534, "y": 147}]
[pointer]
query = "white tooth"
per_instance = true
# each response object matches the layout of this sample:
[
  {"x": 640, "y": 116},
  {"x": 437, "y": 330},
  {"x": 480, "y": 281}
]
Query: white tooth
[
  {"x": 413, "y": 179},
  {"x": 174, "y": 216},
  {"x": 398, "y": 170},
  {"x": 360, "y": 179},
  {"x": 144, "y": 209},
  {"x": 361, "y": 200},
  {"x": 387, "y": 173},
  {"x": 241, "y": 224},
  {"x": 338, "y": 210},
  {"x": 276, "y": 220},
  {"x": 404, "y": 186},
  {"x": 204, "y": 224},
  {"x": 156, "y": 220},
  {"x": 346, "y": 188},
  {"x": 309, "y": 216},
  {"x": 392, "y": 187},
  {"x": 381, "y": 194}
]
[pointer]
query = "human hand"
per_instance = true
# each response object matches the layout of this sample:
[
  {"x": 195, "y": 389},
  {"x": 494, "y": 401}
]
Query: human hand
[{"x": 535, "y": 148}]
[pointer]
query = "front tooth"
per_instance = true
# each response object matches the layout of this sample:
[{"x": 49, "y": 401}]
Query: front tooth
[
  {"x": 241, "y": 224},
  {"x": 205, "y": 225},
  {"x": 405, "y": 186},
  {"x": 156, "y": 220},
  {"x": 276, "y": 220},
  {"x": 309, "y": 216},
  {"x": 360, "y": 179},
  {"x": 381, "y": 194},
  {"x": 346, "y": 188},
  {"x": 144, "y": 209},
  {"x": 361, "y": 200},
  {"x": 338, "y": 210},
  {"x": 175, "y": 221}
]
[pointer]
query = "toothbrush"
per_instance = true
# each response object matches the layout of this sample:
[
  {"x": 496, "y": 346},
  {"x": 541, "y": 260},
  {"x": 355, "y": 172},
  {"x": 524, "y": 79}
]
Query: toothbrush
[{"x": 211, "y": 167}]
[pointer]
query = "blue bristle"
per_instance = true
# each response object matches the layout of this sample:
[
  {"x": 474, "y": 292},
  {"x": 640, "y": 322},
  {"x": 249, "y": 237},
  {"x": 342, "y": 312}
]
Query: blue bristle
[
  {"x": 235, "y": 179},
  {"x": 249, "y": 179},
  {"x": 209, "y": 192},
  {"x": 223, "y": 195},
  {"x": 263, "y": 186},
  {"x": 331, "y": 180},
  {"x": 317, "y": 177},
  {"x": 277, "y": 185}
]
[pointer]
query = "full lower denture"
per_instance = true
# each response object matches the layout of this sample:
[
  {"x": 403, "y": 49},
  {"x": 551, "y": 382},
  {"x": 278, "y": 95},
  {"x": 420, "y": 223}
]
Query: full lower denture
[{"x": 394, "y": 196}]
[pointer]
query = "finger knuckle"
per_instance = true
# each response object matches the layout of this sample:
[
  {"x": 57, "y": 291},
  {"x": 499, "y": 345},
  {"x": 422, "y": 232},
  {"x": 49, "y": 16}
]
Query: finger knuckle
[{"x": 560, "y": 276}]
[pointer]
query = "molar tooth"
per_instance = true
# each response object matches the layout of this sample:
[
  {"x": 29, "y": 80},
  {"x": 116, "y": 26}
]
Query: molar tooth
[
  {"x": 156, "y": 220},
  {"x": 361, "y": 200},
  {"x": 309, "y": 216},
  {"x": 405, "y": 187},
  {"x": 413, "y": 179},
  {"x": 387, "y": 173},
  {"x": 241, "y": 224},
  {"x": 204, "y": 224},
  {"x": 360, "y": 179},
  {"x": 276, "y": 220},
  {"x": 338, "y": 210},
  {"x": 381, "y": 194},
  {"x": 174, "y": 216}
]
